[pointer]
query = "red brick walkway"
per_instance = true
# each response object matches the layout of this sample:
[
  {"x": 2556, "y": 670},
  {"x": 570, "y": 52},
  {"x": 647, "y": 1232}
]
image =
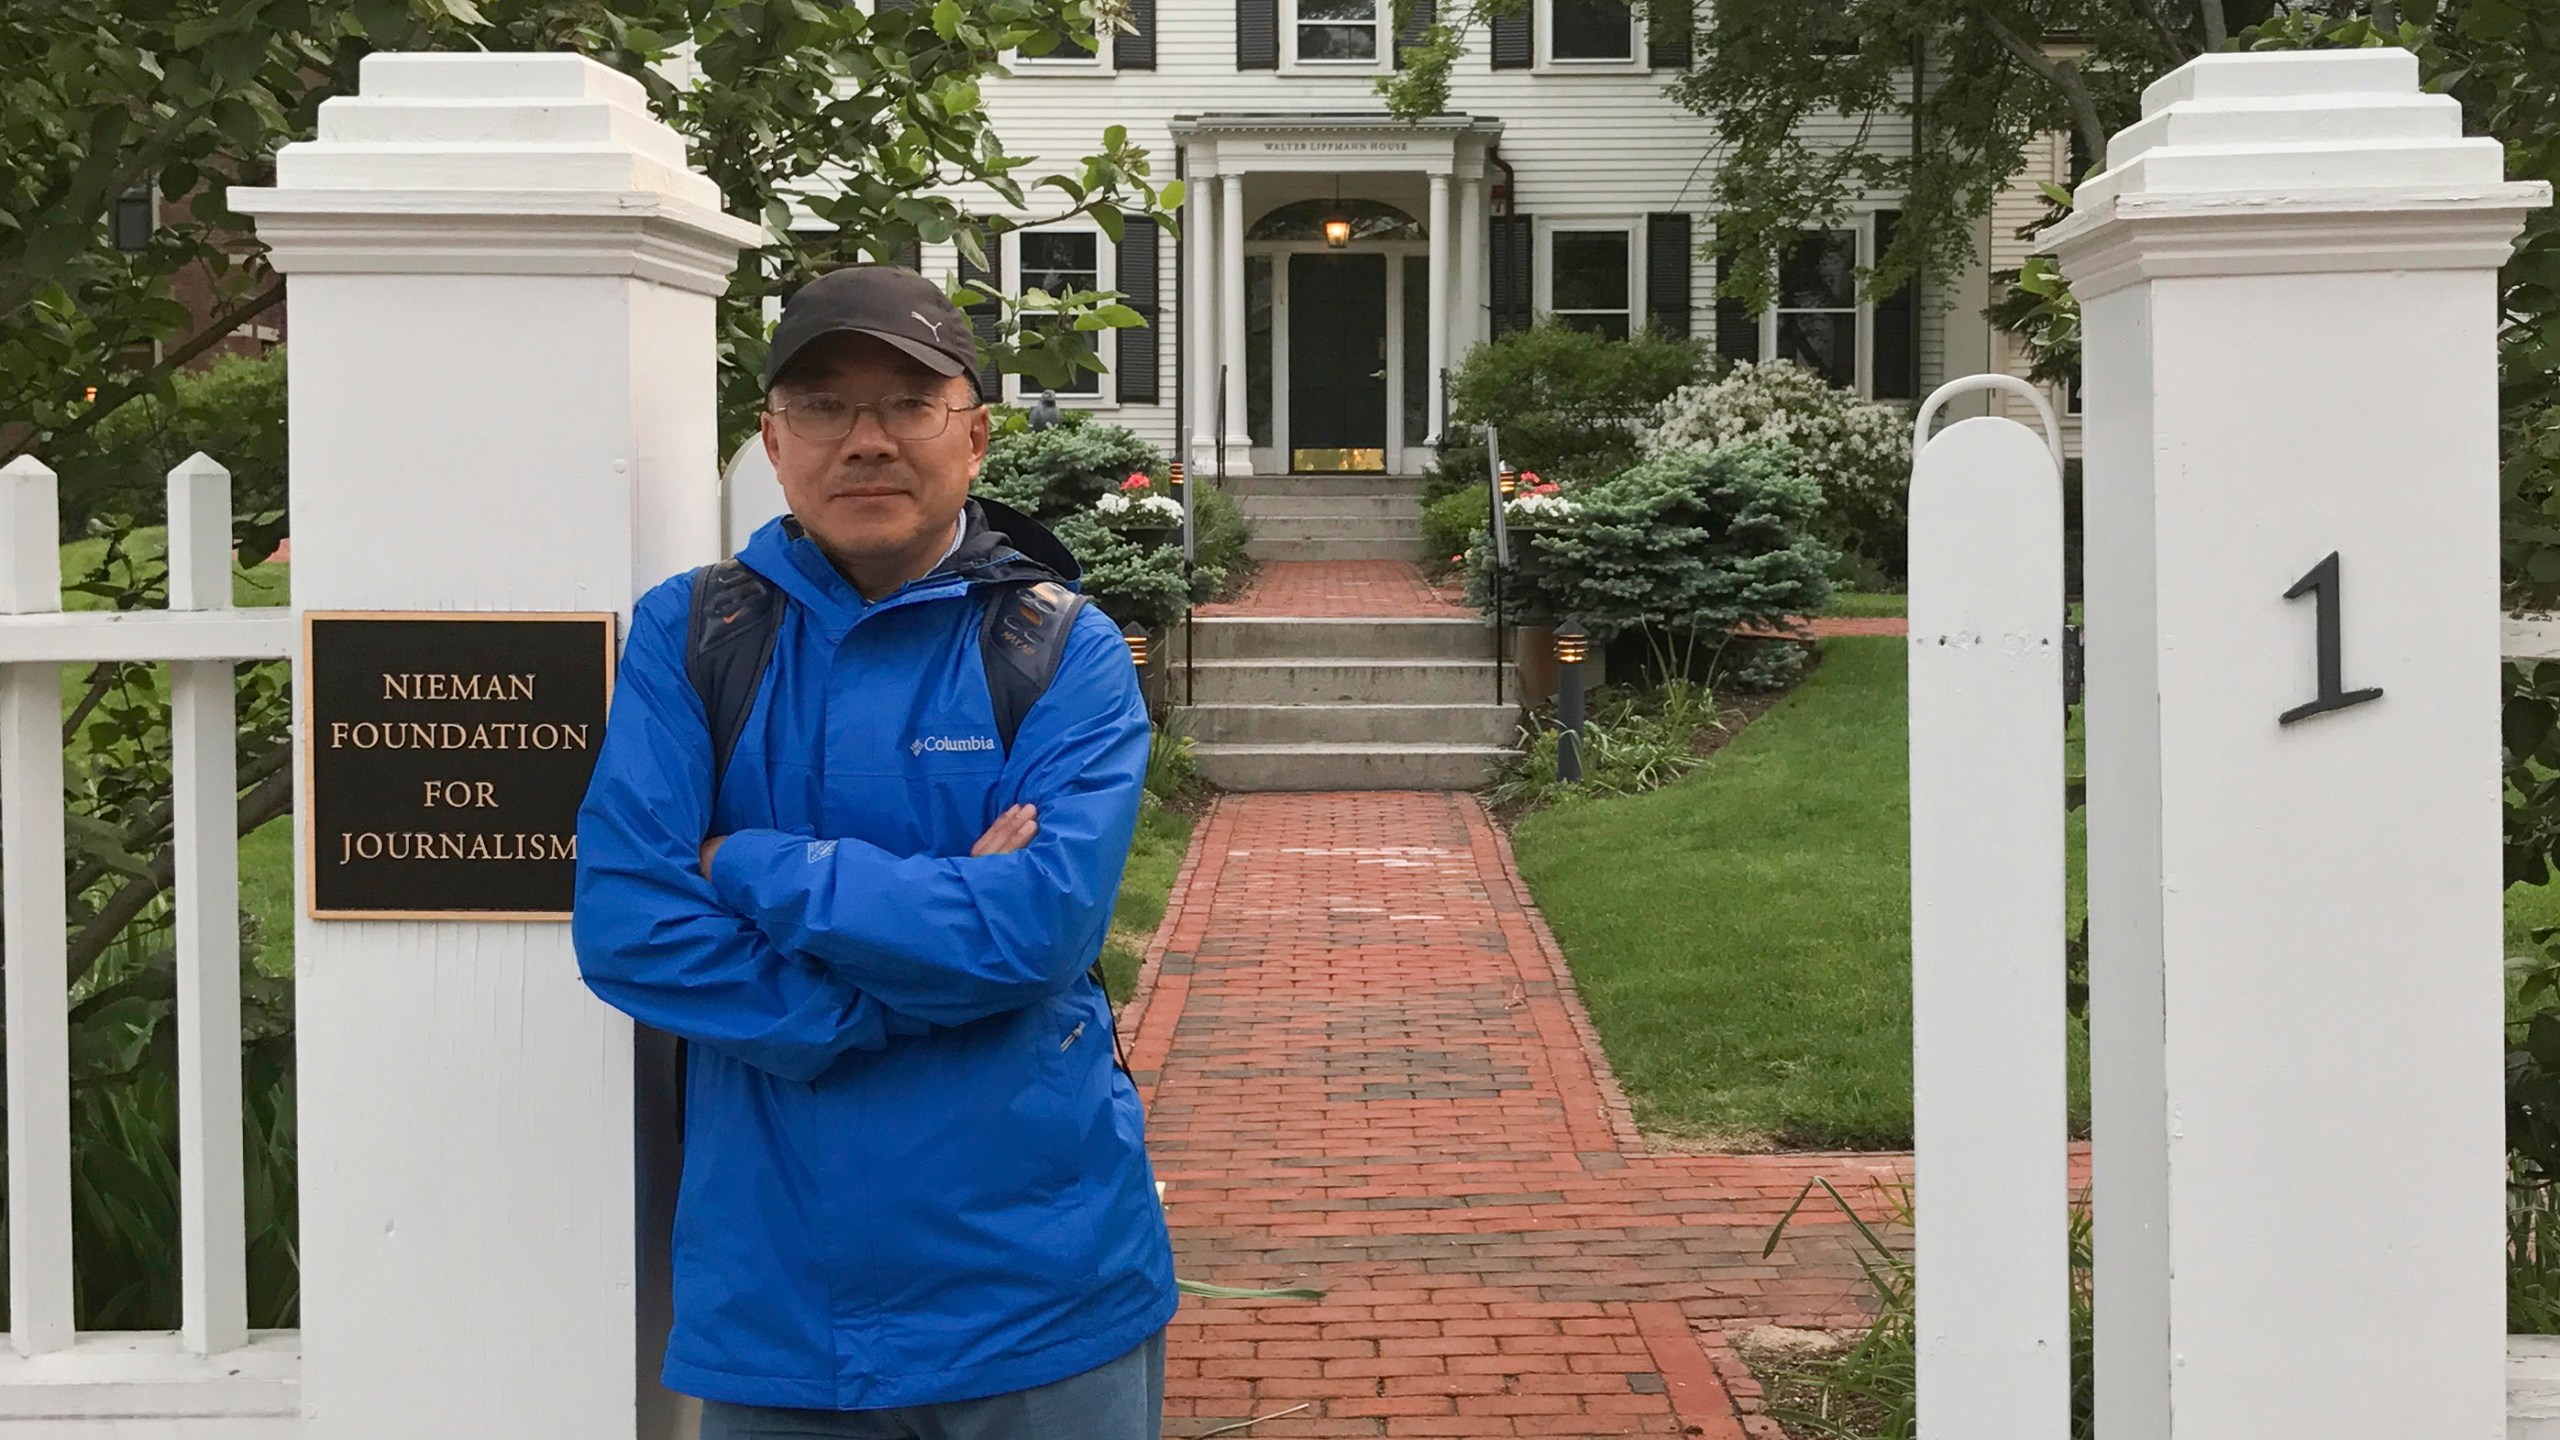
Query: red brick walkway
[
  {"x": 1367, "y": 1070},
  {"x": 1339, "y": 587}
]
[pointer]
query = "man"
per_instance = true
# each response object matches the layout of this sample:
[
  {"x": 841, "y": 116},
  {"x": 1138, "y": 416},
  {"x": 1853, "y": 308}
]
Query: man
[{"x": 916, "y": 1198}]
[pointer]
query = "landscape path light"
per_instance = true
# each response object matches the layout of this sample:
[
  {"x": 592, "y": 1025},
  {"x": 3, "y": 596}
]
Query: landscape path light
[{"x": 1573, "y": 647}]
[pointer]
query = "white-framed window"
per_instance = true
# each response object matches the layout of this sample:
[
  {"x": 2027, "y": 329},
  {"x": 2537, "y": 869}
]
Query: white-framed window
[
  {"x": 1598, "y": 33},
  {"x": 1069, "y": 58},
  {"x": 1338, "y": 34},
  {"x": 1058, "y": 260},
  {"x": 1590, "y": 276},
  {"x": 1819, "y": 321}
]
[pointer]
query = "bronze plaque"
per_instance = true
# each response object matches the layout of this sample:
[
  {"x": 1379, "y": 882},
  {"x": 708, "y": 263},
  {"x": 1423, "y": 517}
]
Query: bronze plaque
[{"x": 444, "y": 759}]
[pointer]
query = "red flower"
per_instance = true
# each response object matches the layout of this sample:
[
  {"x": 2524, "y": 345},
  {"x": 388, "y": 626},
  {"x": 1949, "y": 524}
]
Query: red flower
[
  {"x": 1549, "y": 488},
  {"x": 1137, "y": 481},
  {"x": 1528, "y": 477}
]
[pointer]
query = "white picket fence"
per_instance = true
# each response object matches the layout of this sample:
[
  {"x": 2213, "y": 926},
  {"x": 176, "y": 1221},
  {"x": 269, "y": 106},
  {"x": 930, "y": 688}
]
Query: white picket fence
[{"x": 213, "y": 1376}]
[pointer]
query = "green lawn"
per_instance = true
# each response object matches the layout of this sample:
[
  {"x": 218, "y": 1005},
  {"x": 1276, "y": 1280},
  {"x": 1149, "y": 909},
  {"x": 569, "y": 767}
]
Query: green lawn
[
  {"x": 1747, "y": 962},
  {"x": 1866, "y": 604},
  {"x": 1163, "y": 837}
]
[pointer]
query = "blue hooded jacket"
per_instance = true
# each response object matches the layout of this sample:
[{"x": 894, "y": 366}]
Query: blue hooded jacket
[{"x": 913, "y": 1172}]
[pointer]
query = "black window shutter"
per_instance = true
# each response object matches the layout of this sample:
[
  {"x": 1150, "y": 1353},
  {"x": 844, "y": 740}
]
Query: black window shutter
[
  {"x": 1737, "y": 329},
  {"x": 1417, "y": 22},
  {"x": 1666, "y": 273},
  {"x": 911, "y": 254},
  {"x": 1136, "y": 49},
  {"x": 1513, "y": 254},
  {"x": 1668, "y": 27},
  {"x": 1257, "y": 34},
  {"x": 1896, "y": 371},
  {"x": 1515, "y": 42},
  {"x": 1139, "y": 349},
  {"x": 984, "y": 322}
]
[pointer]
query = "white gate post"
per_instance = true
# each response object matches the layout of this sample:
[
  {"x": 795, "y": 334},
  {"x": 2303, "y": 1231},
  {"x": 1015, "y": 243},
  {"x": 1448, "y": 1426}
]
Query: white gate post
[
  {"x": 2288, "y": 281},
  {"x": 502, "y": 284},
  {"x": 1990, "y": 1088}
]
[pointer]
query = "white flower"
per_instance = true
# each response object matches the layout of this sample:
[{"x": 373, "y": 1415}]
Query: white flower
[
  {"x": 1858, "y": 451},
  {"x": 1112, "y": 503},
  {"x": 1552, "y": 507},
  {"x": 1162, "y": 507}
]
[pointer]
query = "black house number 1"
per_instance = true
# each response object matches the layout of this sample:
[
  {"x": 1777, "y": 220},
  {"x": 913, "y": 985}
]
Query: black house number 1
[{"x": 2322, "y": 585}]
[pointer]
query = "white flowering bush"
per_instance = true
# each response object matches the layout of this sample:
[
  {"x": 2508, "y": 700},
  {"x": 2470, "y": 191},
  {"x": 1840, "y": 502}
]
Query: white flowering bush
[
  {"x": 1538, "y": 506},
  {"x": 1857, "y": 451},
  {"x": 1140, "y": 510}
]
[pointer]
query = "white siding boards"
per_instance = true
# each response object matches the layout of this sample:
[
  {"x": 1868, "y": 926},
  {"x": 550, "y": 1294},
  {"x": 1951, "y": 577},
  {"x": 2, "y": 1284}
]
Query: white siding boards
[{"x": 1586, "y": 143}]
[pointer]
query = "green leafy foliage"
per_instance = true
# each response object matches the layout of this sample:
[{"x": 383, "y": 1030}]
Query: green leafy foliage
[
  {"x": 1857, "y": 451},
  {"x": 1778, "y": 77},
  {"x": 2533, "y": 1260},
  {"x": 232, "y": 410},
  {"x": 863, "y": 120},
  {"x": 1065, "y": 468},
  {"x": 1058, "y": 474},
  {"x": 1453, "y": 522},
  {"x": 1870, "y": 1391},
  {"x": 1687, "y": 547},
  {"x": 2036, "y": 305},
  {"x": 1569, "y": 404},
  {"x": 1632, "y": 741}
]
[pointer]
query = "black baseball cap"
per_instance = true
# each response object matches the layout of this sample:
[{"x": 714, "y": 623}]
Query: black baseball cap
[{"x": 889, "y": 303}]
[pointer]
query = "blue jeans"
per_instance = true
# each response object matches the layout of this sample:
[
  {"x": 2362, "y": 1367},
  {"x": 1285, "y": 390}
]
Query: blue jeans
[{"x": 1120, "y": 1399}]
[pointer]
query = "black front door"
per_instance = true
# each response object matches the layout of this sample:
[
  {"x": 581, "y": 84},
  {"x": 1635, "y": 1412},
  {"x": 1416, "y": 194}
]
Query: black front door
[{"x": 1337, "y": 362}]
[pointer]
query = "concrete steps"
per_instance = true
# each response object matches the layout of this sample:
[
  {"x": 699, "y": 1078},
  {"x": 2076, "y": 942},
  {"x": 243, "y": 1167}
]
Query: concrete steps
[
  {"x": 1486, "y": 726},
  {"x": 1346, "y": 507},
  {"x": 1364, "y": 703},
  {"x": 1283, "y": 637},
  {"x": 1248, "y": 487},
  {"x": 1339, "y": 681},
  {"x": 1331, "y": 517},
  {"x": 1350, "y": 767}
]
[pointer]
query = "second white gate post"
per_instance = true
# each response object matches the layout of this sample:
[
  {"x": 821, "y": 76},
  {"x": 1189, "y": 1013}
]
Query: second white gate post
[
  {"x": 2289, "y": 283},
  {"x": 503, "y": 276}
]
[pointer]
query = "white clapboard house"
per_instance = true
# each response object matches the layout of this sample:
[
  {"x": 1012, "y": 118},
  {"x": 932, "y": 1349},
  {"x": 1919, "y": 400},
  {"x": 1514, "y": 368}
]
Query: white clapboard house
[{"x": 1335, "y": 260}]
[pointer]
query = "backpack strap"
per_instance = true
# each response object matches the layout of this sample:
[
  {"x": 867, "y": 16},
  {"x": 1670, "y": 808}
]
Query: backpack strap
[
  {"x": 729, "y": 640},
  {"x": 1022, "y": 640}
]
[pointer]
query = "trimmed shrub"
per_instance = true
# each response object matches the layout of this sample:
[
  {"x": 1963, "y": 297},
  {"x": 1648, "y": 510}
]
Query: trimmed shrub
[
  {"x": 1569, "y": 404},
  {"x": 232, "y": 410},
  {"x": 1219, "y": 537},
  {"x": 1857, "y": 451},
  {"x": 1685, "y": 549},
  {"x": 1049, "y": 473},
  {"x": 1451, "y": 523},
  {"x": 1056, "y": 476}
]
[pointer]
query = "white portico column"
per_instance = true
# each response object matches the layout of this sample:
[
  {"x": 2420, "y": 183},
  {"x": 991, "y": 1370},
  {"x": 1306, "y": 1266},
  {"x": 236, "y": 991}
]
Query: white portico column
[
  {"x": 1469, "y": 304},
  {"x": 1441, "y": 254},
  {"x": 1231, "y": 323},
  {"x": 1200, "y": 319},
  {"x": 2288, "y": 278},
  {"x": 502, "y": 274}
]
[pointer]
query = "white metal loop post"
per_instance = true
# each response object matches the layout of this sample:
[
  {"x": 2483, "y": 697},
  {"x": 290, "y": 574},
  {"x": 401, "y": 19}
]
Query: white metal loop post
[
  {"x": 1989, "y": 1089},
  {"x": 2007, "y": 384}
]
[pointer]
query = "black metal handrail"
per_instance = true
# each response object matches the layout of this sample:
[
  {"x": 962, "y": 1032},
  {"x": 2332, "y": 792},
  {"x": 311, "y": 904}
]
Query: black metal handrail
[{"x": 1498, "y": 531}]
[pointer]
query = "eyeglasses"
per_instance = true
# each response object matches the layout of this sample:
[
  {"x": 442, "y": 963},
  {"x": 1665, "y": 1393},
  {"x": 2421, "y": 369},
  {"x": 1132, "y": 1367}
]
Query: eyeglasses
[{"x": 904, "y": 417}]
